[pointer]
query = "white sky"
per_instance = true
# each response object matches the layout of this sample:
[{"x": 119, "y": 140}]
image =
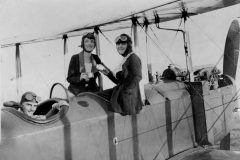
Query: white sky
[{"x": 42, "y": 63}]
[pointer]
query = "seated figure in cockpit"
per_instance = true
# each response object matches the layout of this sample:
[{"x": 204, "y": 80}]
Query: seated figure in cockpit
[{"x": 29, "y": 103}]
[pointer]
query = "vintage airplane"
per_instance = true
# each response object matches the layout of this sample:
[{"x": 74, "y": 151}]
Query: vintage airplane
[{"x": 184, "y": 116}]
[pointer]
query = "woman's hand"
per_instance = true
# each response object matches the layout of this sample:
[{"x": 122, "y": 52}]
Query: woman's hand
[
  {"x": 105, "y": 71},
  {"x": 102, "y": 69},
  {"x": 84, "y": 76}
]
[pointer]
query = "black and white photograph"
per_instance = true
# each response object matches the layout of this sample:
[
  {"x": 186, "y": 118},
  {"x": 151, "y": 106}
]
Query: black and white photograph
[{"x": 120, "y": 79}]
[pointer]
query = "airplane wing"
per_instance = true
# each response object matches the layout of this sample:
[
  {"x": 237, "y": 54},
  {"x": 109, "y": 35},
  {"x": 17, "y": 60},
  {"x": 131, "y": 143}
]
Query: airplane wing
[
  {"x": 120, "y": 17},
  {"x": 209, "y": 154}
]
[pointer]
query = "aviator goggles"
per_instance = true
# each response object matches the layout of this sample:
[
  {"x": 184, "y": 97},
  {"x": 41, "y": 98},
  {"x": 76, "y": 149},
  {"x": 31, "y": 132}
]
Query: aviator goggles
[
  {"x": 31, "y": 97},
  {"x": 121, "y": 39},
  {"x": 88, "y": 34}
]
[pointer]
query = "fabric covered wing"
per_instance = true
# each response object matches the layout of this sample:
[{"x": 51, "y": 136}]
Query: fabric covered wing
[{"x": 119, "y": 17}]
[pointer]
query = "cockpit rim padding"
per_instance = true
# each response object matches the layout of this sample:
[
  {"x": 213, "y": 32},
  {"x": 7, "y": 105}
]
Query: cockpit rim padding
[
  {"x": 93, "y": 94},
  {"x": 35, "y": 121}
]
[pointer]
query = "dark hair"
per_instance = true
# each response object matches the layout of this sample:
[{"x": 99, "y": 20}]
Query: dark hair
[{"x": 89, "y": 35}]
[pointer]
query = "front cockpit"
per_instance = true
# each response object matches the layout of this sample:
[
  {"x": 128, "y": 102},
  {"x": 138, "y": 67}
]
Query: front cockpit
[{"x": 57, "y": 93}]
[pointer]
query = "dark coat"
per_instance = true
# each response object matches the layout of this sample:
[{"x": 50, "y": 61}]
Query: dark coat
[
  {"x": 126, "y": 97},
  {"x": 76, "y": 86}
]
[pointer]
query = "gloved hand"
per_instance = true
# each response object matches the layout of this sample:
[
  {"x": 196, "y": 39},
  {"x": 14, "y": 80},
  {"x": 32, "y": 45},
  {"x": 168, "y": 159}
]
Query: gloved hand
[{"x": 59, "y": 104}]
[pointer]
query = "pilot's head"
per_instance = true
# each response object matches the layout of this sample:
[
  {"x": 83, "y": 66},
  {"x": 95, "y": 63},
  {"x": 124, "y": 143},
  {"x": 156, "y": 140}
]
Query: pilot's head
[
  {"x": 88, "y": 42},
  {"x": 29, "y": 102},
  {"x": 123, "y": 44}
]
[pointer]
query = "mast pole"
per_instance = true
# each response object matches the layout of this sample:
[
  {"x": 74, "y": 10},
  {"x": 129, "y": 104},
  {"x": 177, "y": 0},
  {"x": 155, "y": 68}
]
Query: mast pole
[
  {"x": 18, "y": 72},
  {"x": 187, "y": 45},
  {"x": 96, "y": 33},
  {"x": 65, "y": 37}
]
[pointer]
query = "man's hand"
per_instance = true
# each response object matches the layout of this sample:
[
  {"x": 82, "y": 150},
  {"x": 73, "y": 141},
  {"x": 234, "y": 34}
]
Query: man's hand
[{"x": 59, "y": 104}]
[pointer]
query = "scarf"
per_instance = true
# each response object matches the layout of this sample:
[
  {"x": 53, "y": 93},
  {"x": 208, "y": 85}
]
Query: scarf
[
  {"x": 119, "y": 66},
  {"x": 82, "y": 63}
]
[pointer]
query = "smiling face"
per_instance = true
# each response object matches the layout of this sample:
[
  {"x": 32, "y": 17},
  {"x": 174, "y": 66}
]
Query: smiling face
[
  {"x": 121, "y": 47},
  {"x": 89, "y": 44},
  {"x": 29, "y": 108}
]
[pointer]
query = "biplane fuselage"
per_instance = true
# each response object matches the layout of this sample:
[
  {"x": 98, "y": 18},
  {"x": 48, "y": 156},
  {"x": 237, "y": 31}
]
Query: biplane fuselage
[
  {"x": 87, "y": 130},
  {"x": 180, "y": 116}
]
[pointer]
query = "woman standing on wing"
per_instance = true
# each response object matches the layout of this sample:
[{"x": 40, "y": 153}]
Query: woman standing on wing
[
  {"x": 125, "y": 98},
  {"x": 82, "y": 71}
]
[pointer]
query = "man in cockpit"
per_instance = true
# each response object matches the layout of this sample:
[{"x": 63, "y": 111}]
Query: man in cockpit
[{"x": 29, "y": 103}]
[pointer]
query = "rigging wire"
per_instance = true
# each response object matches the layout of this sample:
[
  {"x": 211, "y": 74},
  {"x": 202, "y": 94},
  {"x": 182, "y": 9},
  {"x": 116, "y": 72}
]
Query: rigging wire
[
  {"x": 188, "y": 107},
  {"x": 35, "y": 68},
  {"x": 220, "y": 119},
  {"x": 217, "y": 47},
  {"x": 204, "y": 84},
  {"x": 177, "y": 123},
  {"x": 162, "y": 50},
  {"x": 181, "y": 118},
  {"x": 216, "y": 106},
  {"x": 215, "y": 44},
  {"x": 169, "y": 52}
]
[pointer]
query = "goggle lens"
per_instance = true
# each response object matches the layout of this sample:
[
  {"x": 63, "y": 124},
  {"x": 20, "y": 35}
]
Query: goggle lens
[
  {"x": 121, "y": 38},
  {"x": 30, "y": 97}
]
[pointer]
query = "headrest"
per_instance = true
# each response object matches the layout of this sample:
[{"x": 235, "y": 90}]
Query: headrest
[{"x": 12, "y": 104}]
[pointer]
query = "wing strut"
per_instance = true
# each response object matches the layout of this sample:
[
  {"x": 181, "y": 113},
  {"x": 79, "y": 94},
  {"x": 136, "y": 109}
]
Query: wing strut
[
  {"x": 96, "y": 33},
  {"x": 136, "y": 46},
  {"x": 187, "y": 43},
  {"x": 65, "y": 37},
  {"x": 149, "y": 65},
  {"x": 18, "y": 72},
  {"x": 186, "y": 39}
]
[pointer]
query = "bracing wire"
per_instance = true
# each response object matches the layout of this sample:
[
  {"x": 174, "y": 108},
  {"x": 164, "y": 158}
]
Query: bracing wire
[
  {"x": 217, "y": 47},
  {"x": 181, "y": 120},
  {"x": 188, "y": 107},
  {"x": 215, "y": 44},
  {"x": 169, "y": 52},
  {"x": 228, "y": 103},
  {"x": 162, "y": 51},
  {"x": 220, "y": 119},
  {"x": 35, "y": 68}
]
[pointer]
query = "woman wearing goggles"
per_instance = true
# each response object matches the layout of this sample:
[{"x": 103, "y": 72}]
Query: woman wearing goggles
[
  {"x": 84, "y": 67},
  {"x": 125, "y": 98}
]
